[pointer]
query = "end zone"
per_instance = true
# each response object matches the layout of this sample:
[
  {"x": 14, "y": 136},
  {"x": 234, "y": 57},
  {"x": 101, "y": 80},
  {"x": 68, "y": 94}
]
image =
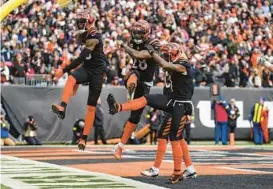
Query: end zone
[{"x": 21, "y": 173}]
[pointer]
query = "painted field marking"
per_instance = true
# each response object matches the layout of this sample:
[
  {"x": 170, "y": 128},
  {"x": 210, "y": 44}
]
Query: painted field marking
[
  {"x": 16, "y": 174},
  {"x": 236, "y": 153},
  {"x": 245, "y": 170}
]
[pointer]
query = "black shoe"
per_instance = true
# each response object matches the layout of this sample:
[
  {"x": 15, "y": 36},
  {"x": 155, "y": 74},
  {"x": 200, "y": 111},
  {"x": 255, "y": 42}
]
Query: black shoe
[
  {"x": 82, "y": 144},
  {"x": 113, "y": 106},
  {"x": 58, "y": 110},
  {"x": 131, "y": 91}
]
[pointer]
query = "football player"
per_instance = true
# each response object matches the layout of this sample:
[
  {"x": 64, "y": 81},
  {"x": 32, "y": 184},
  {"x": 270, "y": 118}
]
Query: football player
[
  {"x": 139, "y": 80},
  {"x": 178, "y": 103},
  {"x": 93, "y": 63}
]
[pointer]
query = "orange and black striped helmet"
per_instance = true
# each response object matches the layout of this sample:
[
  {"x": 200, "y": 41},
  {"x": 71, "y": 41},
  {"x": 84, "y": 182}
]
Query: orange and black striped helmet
[
  {"x": 140, "y": 31},
  {"x": 85, "y": 22},
  {"x": 172, "y": 52}
]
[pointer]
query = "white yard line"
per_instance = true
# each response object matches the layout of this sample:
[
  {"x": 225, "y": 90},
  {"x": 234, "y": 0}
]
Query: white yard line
[
  {"x": 245, "y": 170},
  {"x": 67, "y": 170}
]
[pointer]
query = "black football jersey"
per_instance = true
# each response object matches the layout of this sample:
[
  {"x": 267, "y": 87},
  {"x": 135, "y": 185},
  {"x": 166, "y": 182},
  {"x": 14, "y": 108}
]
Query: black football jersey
[
  {"x": 180, "y": 85},
  {"x": 167, "y": 84},
  {"x": 97, "y": 62},
  {"x": 146, "y": 68}
]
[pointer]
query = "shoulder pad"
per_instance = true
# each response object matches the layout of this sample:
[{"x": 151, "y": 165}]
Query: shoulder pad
[
  {"x": 155, "y": 43},
  {"x": 94, "y": 36}
]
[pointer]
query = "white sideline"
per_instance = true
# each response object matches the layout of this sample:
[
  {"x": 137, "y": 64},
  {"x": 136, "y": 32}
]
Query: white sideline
[{"x": 8, "y": 181}]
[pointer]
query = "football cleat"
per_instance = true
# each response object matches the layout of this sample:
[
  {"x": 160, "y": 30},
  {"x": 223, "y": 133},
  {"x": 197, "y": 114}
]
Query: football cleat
[
  {"x": 131, "y": 91},
  {"x": 175, "y": 178},
  {"x": 58, "y": 110},
  {"x": 82, "y": 144},
  {"x": 188, "y": 175},
  {"x": 117, "y": 152},
  {"x": 113, "y": 105},
  {"x": 149, "y": 173}
]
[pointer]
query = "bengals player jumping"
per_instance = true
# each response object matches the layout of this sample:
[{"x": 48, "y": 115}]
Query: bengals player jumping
[
  {"x": 177, "y": 102},
  {"x": 139, "y": 80},
  {"x": 93, "y": 63}
]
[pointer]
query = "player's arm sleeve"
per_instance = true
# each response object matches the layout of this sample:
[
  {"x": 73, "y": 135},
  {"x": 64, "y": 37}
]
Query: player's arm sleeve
[
  {"x": 169, "y": 66},
  {"x": 86, "y": 53}
]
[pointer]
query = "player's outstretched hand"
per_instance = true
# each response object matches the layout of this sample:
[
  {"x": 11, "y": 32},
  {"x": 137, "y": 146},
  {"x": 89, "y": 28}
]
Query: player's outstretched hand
[{"x": 119, "y": 43}]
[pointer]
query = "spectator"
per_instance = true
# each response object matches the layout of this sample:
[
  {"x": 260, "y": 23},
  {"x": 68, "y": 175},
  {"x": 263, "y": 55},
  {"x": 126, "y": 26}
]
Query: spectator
[
  {"x": 5, "y": 136},
  {"x": 228, "y": 28},
  {"x": 18, "y": 66},
  {"x": 31, "y": 131},
  {"x": 255, "y": 118},
  {"x": 244, "y": 70},
  {"x": 233, "y": 114},
  {"x": 267, "y": 79},
  {"x": 221, "y": 118},
  {"x": 77, "y": 131},
  {"x": 255, "y": 79},
  {"x": 5, "y": 73},
  {"x": 231, "y": 74},
  {"x": 98, "y": 124}
]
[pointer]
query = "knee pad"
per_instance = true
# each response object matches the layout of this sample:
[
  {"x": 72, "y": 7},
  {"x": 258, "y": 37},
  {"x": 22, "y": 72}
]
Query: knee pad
[
  {"x": 92, "y": 100},
  {"x": 135, "y": 118}
]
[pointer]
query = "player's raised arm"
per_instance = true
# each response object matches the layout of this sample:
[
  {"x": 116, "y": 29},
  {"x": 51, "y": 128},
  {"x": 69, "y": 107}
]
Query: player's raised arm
[
  {"x": 139, "y": 55},
  {"x": 173, "y": 53}
]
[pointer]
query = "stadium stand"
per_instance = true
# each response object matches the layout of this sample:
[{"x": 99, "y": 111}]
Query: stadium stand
[{"x": 223, "y": 38}]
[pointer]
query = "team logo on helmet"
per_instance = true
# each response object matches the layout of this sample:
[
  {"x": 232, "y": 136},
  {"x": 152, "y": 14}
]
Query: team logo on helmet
[{"x": 140, "y": 31}]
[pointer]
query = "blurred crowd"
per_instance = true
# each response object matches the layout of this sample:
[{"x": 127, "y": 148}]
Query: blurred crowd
[{"x": 222, "y": 38}]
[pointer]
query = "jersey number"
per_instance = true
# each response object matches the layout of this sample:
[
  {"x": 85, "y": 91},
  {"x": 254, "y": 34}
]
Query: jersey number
[
  {"x": 168, "y": 81},
  {"x": 140, "y": 64}
]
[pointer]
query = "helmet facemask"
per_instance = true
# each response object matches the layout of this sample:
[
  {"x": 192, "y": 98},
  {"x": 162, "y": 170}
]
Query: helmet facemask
[
  {"x": 140, "y": 31},
  {"x": 84, "y": 22},
  {"x": 170, "y": 53},
  {"x": 81, "y": 25},
  {"x": 138, "y": 36}
]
